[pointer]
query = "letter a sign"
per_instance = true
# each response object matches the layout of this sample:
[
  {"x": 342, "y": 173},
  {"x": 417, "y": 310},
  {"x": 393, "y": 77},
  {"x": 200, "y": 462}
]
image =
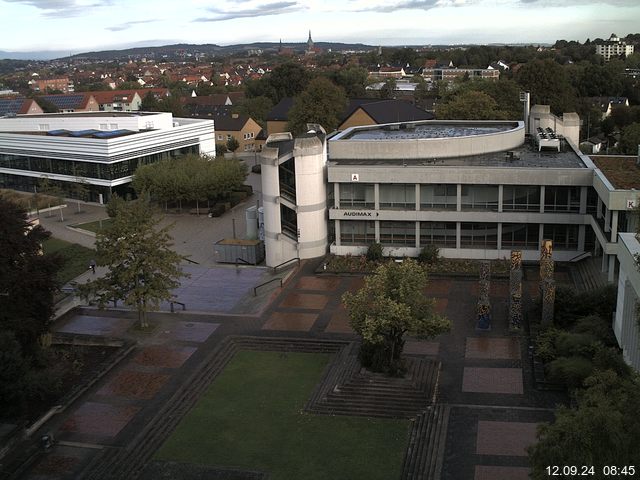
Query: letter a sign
[{"x": 355, "y": 177}]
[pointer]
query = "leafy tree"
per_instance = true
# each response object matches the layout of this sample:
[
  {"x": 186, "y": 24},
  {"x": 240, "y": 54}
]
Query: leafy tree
[
  {"x": 233, "y": 144},
  {"x": 389, "y": 305},
  {"x": 149, "y": 103},
  {"x": 46, "y": 105},
  {"x": 255, "y": 107},
  {"x": 630, "y": 139},
  {"x": 549, "y": 85},
  {"x": 142, "y": 268},
  {"x": 321, "y": 102},
  {"x": 470, "y": 105},
  {"x": 353, "y": 79},
  {"x": 599, "y": 432},
  {"x": 288, "y": 80},
  {"x": 388, "y": 90}
]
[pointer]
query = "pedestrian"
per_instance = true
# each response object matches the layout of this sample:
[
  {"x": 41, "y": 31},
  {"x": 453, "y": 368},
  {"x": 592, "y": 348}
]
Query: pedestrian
[{"x": 92, "y": 266}]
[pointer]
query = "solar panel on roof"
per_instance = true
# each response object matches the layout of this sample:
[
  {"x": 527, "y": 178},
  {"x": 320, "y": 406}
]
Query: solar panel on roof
[
  {"x": 10, "y": 105},
  {"x": 65, "y": 102}
]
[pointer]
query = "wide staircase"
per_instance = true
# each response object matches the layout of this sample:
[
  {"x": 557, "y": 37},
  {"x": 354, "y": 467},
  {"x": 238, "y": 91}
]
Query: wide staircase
[{"x": 587, "y": 275}]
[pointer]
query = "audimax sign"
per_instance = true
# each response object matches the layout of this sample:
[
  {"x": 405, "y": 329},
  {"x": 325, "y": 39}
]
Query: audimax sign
[{"x": 359, "y": 213}]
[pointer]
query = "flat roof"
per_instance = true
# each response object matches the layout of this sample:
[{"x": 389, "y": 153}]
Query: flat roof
[
  {"x": 525, "y": 156},
  {"x": 622, "y": 171},
  {"x": 422, "y": 130},
  {"x": 88, "y": 114}
]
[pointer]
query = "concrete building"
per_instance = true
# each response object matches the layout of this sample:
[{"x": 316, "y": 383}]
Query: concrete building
[
  {"x": 103, "y": 148},
  {"x": 625, "y": 324},
  {"x": 613, "y": 47}
]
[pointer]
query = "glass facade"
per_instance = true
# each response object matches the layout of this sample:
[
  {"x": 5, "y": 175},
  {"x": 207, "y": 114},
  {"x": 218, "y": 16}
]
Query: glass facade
[
  {"x": 438, "y": 197},
  {"x": 287, "y": 176},
  {"x": 440, "y": 234},
  {"x": 480, "y": 197},
  {"x": 479, "y": 235},
  {"x": 95, "y": 170},
  {"x": 357, "y": 232},
  {"x": 562, "y": 199},
  {"x": 288, "y": 222},
  {"x": 565, "y": 237},
  {"x": 520, "y": 235},
  {"x": 521, "y": 198},
  {"x": 398, "y": 196},
  {"x": 402, "y": 234},
  {"x": 357, "y": 195}
]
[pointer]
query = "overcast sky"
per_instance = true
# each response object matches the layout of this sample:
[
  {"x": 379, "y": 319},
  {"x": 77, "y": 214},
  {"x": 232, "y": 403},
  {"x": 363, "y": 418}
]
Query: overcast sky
[{"x": 83, "y": 25}]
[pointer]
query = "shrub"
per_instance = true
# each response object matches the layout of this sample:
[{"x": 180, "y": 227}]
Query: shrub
[
  {"x": 570, "y": 371},
  {"x": 546, "y": 345},
  {"x": 596, "y": 326},
  {"x": 610, "y": 359},
  {"x": 570, "y": 306},
  {"x": 429, "y": 254},
  {"x": 375, "y": 357},
  {"x": 569, "y": 344},
  {"x": 374, "y": 252}
]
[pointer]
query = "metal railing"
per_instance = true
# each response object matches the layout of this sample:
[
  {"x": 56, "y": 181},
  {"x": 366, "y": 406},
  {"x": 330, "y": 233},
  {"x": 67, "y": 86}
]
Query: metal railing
[
  {"x": 296, "y": 259},
  {"x": 581, "y": 256},
  {"x": 243, "y": 261},
  {"x": 184, "y": 307},
  {"x": 255, "y": 289}
]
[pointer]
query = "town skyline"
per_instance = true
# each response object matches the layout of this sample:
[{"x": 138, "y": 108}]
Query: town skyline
[{"x": 114, "y": 24}]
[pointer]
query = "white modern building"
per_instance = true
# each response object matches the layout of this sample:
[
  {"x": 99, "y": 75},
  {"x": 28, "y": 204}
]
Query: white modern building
[
  {"x": 625, "y": 325},
  {"x": 613, "y": 47},
  {"x": 102, "y": 148}
]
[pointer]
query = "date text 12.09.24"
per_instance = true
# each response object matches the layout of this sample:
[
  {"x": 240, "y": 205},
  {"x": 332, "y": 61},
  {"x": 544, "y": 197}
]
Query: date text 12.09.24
[{"x": 628, "y": 471}]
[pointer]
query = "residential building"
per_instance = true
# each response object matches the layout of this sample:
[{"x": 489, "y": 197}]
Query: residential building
[
  {"x": 450, "y": 74},
  {"x": 73, "y": 102},
  {"x": 62, "y": 84},
  {"x": 18, "y": 106},
  {"x": 607, "y": 104},
  {"x": 371, "y": 111},
  {"x": 103, "y": 148},
  {"x": 614, "y": 47}
]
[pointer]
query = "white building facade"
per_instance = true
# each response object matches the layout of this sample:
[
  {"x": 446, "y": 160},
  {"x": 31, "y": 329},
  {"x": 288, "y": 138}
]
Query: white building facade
[{"x": 104, "y": 149}]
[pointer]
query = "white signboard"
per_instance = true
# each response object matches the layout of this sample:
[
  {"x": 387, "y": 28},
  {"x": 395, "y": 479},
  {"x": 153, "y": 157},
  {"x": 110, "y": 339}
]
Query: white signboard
[{"x": 355, "y": 177}]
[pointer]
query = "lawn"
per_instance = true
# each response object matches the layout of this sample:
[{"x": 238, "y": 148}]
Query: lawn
[
  {"x": 251, "y": 418},
  {"x": 76, "y": 258},
  {"x": 94, "y": 226}
]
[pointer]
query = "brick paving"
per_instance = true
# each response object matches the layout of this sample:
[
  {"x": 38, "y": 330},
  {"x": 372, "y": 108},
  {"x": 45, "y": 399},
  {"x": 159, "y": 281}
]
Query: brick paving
[
  {"x": 485, "y": 381},
  {"x": 505, "y": 438}
]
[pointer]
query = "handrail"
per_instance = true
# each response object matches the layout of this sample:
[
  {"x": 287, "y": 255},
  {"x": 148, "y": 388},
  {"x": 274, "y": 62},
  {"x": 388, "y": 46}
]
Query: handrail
[
  {"x": 171, "y": 302},
  {"x": 255, "y": 289},
  {"x": 191, "y": 261},
  {"x": 243, "y": 261},
  {"x": 275, "y": 269},
  {"x": 580, "y": 256}
]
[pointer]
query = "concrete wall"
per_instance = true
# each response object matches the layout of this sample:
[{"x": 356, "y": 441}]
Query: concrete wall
[
  {"x": 79, "y": 121},
  {"x": 625, "y": 325},
  {"x": 568, "y": 125}
]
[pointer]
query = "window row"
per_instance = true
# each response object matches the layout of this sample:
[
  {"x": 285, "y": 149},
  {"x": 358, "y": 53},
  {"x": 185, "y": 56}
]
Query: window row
[
  {"x": 515, "y": 198},
  {"x": 472, "y": 235}
]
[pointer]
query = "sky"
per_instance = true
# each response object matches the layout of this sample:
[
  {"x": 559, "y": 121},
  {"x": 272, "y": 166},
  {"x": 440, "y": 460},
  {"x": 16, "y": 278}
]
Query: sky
[{"x": 85, "y": 25}]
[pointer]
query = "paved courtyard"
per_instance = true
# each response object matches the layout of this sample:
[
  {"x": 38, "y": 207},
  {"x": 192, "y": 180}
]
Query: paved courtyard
[{"x": 485, "y": 378}]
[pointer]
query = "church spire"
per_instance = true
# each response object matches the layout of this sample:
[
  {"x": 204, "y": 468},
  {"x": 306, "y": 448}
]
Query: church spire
[{"x": 309, "y": 43}]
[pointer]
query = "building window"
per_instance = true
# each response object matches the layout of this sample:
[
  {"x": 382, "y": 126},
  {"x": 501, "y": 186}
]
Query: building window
[
  {"x": 287, "y": 174},
  {"x": 103, "y": 126},
  {"x": 564, "y": 237},
  {"x": 228, "y": 137},
  {"x": 357, "y": 232},
  {"x": 220, "y": 137},
  {"x": 440, "y": 234},
  {"x": 398, "y": 234},
  {"x": 521, "y": 198},
  {"x": 289, "y": 222},
  {"x": 520, "y": 235},
  {"x": 398, "y": 196},
  {"x": 357, "y": 195},
  {"x": 438, "y": 197},
  {"x": 480, "y": 197},
  {"x": 562, "y": 199},
  {"x": 479, "y": 235}
]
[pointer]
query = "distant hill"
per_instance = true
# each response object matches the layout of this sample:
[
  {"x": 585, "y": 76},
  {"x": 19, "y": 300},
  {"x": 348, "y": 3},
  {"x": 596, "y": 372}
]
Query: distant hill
[
  {"x": 208, "y": 49},
  {"x": 42, "y": 55}
]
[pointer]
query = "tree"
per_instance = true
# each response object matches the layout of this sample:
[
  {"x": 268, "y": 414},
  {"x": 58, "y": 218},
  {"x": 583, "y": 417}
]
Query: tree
[
  {"x": 599, "y": 432},
  {"x": 256, "y": 108},
  {"x": 353, "y": 79},
  {"x": 149, "y": 103},
  {"x": 388, "y": 90},
  {"x": 470, "y": 105},
  {"x": 142, "y": 268},
  {"x": 288, "y": 80},
  {"x": 46, "y": 105},
  {"x": 630, "y": 139},
  {"x": 549, "y": 85},
  {"x": 321, "y": 102},
  {"x": 389, "y": 305},
  {"x": 233, "y": 144}
]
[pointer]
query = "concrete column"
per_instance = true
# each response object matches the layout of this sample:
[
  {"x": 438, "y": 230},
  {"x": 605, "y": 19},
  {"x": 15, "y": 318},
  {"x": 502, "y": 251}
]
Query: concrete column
[
  {"x": 336, "y": 195},
  {"x": 500, "y": 230},
  {"x": 599, "y": 208},
  {"x": 540, "y": 235},
  {"x": 376, "y": 196},
  {"x": 458, "y": 228},
  {"x": 583, "y": 200},
  {"x": 612, "y": 268},
  {"x": 417, "y": 234},
  {"x": 605, "y": 258},
  {"x": 541, "y": 200},
  {"x": 607, "y": 220},
  {"x": 377, "y": 230},
  {"x": 417, "y": 197},
  {"x": 581, "y": 237},
  {"x": 337, "y": 231},
  {"x": 614, "y": 226},
  {"x": 459, "y": 201},
  {"x": 500, "y": 199}
]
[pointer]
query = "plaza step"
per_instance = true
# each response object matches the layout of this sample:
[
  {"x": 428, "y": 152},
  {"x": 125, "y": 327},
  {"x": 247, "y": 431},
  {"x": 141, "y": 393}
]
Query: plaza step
[{"x": 424, "y": 457}]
